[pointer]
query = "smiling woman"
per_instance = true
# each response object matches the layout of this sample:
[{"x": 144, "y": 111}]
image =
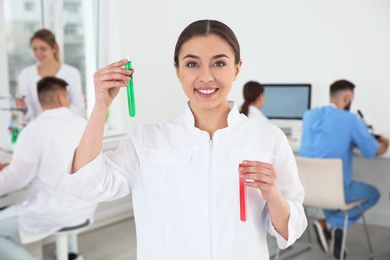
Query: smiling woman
[
  {"x": 206, "y": 68},
  {"x": 184, "y": 174}
]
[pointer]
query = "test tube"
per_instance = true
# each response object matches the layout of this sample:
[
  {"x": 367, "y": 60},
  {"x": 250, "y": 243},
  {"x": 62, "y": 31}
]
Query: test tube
[
  {"x": 130, "y": 88},
  {"x": 242, "y": 197}
]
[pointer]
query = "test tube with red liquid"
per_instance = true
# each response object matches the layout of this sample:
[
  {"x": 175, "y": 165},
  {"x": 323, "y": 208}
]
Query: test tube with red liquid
[{"x": 242, "y": 197}]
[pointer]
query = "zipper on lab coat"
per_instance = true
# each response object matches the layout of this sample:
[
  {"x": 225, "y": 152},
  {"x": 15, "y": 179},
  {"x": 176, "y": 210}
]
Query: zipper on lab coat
[{"x": 210, "y": 199}]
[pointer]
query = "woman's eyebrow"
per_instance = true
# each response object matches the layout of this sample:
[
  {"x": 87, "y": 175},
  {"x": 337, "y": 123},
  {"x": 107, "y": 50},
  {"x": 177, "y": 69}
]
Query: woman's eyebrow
[
  {"x": 214, "y": 57},
  {"x": 190, "y": 56},
  {"x": 220, "y": 56}
]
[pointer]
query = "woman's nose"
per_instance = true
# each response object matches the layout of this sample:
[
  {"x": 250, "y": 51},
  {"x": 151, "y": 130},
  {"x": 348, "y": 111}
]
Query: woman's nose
[{"x": 206, "y": 74}]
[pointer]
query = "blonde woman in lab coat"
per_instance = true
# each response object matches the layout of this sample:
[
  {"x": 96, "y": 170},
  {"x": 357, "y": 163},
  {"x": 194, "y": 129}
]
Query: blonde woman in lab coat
[
  {"x": 47, "y": 54},
  {"x": 41, "y": 156},
  {"x": 184, "y": 174}
]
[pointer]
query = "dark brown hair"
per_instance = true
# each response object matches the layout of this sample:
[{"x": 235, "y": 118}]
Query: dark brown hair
[
  {"x": 341, "y": 85},
  {"x": 47, "y": 87},
  {"x": 48, "y": 37},
  {"x": 204, "y": 28},
  {"x": 251, "y": 91}
]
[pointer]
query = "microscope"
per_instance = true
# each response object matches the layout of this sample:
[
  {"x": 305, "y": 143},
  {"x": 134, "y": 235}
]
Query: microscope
[{"x": 370, "y": 127}]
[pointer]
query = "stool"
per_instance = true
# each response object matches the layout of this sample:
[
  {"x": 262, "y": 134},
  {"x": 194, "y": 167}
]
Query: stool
[{"x": 62, "y": 239}]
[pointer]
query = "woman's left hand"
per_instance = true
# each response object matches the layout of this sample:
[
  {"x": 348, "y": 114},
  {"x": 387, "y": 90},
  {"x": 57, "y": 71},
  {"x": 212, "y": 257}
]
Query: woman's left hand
[
  {"x": 260, "y": 175},
  {"x": 2, "y": 165}
]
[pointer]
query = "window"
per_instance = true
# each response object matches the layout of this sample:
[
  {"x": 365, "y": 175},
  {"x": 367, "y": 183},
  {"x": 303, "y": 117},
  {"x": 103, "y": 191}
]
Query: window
[
  {"x": 20, "y": 23},
  {"x": 72, "y": 6},
  {"x": 29, "y": 6},
  {"x": 29, "y": 29},
  {"x": 73, "y": 48},
  {"x": 70, "y": 30},
  {"x": 75, "y": 24},
  {"x": 22, "y": 18}
]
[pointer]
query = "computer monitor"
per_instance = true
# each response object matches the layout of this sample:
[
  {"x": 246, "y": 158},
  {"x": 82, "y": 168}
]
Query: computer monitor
[{"x": 286, "y": 101}]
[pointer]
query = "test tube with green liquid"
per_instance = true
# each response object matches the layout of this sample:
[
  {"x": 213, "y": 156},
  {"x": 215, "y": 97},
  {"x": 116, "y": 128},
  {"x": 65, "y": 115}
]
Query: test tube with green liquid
[{"x": 130, "y": 88}]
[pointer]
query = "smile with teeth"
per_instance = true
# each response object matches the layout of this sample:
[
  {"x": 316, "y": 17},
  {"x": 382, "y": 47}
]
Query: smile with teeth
[{"x": 206, "y": 91}]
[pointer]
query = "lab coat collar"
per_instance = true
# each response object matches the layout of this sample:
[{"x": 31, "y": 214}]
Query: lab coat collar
[
  {"x": 233, "y": 116},
  {"x": 54, "y": 112}
]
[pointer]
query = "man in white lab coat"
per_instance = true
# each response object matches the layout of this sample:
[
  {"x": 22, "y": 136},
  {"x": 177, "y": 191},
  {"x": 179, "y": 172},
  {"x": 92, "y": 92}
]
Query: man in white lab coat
[{"x": 41, "y": 156}]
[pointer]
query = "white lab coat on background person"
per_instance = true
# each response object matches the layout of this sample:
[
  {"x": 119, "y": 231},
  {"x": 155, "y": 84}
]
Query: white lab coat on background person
[
  {"x": 27, "y": 86},
  {"x": 41, "y": 155},
  {"x": 175, "y": 196},
  {"x": 255, "y": 113}
]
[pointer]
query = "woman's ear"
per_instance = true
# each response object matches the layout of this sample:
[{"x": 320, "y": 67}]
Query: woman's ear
[
  {"x": 176, "y": 69},
  {"x": 55, "y": 49},
  {"x": 262, "y": 98},
  {"x": 237, "y": 68}
]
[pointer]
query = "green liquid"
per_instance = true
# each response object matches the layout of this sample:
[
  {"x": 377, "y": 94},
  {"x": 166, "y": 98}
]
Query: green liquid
[{"x": 130, "y": 92}]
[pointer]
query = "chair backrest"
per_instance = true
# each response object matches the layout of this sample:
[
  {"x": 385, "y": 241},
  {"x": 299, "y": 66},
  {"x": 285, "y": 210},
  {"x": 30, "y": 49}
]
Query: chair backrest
[{"x": 322, "y": 180}]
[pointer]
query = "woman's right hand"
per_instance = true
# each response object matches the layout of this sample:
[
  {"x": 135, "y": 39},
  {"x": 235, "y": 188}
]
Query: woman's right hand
[
  {"x": 21, "y": 104},
  {"x": 108, "y": 82}
]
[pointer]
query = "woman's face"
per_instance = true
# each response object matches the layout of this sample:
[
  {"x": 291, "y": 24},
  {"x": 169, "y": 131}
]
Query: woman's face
[
  {"x": 42, "y": 50},
  {"x": 206, "y": 71}
]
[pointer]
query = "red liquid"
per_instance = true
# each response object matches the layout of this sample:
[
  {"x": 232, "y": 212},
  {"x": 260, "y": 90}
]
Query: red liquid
[{"x": 242, "y": 198}]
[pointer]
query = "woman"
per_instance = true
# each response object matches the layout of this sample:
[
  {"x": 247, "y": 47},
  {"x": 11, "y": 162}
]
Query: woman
[
  {"x": 184, "y": 174},
  {"x": 47, "y": 53},
  {"x": 254, "y": 100}
]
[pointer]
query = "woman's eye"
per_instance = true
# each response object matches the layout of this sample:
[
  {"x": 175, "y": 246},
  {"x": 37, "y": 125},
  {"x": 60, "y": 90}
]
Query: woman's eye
[
  {"x": 192, "y": 64},
  {"x": 219, "y": 64}
]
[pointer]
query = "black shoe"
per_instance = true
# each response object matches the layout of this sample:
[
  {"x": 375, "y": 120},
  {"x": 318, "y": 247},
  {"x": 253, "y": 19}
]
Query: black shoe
[
  {"x": 74, "y": 256},
  {"x": 337, "y": 239},
  {"x": 322, "y": 234}
]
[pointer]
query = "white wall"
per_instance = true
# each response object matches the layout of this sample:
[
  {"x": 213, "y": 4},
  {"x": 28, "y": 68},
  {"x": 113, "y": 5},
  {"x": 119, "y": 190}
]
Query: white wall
[{"x": 281, "y": 42}]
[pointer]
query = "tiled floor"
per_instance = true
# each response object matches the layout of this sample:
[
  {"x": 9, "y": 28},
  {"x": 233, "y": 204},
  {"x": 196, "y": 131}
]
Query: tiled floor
[{"x": 118, "y": 242}]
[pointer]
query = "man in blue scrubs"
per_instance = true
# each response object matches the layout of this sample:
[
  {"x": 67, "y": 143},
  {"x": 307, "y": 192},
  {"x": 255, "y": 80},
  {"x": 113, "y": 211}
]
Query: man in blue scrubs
[{"x": 333, "y": 132}]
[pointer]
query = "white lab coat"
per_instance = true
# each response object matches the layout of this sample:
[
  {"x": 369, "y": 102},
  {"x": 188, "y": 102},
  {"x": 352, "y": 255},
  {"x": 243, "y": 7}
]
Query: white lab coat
[
  {"x": 255, "y": 113},
  {"x": 29, "y": 78},
  {"x": 185, "y": 188},
  {"x": 42, "y": 153}
]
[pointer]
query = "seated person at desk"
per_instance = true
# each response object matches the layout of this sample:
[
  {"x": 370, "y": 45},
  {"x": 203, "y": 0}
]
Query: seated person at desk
[
  {"x": 41, "y": 157},
  {"x": 254, "y": 99},
  {"x": 333, "y": 132}
]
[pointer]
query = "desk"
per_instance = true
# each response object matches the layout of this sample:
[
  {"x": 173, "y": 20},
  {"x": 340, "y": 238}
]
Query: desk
[
  {"x": 295, "y": 144},
  {"x": 5, "y": 155},
  {"x": 16, "y": 196}
]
